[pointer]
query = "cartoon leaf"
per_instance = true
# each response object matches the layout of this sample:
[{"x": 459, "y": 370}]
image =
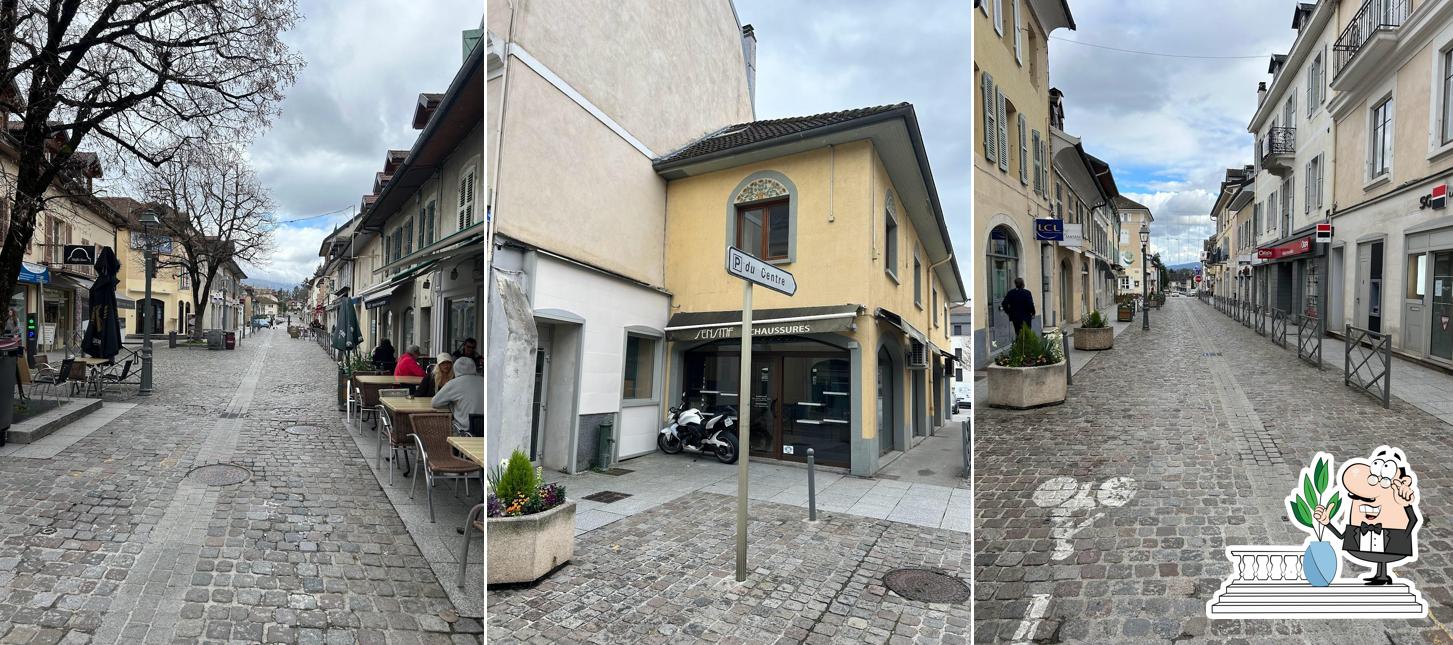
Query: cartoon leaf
[
  {"x": 1321, "y": 475},
  {"x": 1299, "y": 511},
  {"x": 1309, "y": 493},
  {"x": 1334, "y": 505}
]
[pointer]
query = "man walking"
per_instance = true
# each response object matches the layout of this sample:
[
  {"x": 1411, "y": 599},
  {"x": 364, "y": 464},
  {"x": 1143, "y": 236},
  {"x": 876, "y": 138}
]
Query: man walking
[{"x": 1018, "y": 305}]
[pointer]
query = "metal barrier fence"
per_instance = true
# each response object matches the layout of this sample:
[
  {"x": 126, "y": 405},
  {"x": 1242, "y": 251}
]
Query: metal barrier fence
[
  {"x": 1309, "y": 339},
  {"x": 1261, "y": 320},
  {"x": 1279, "y": 327},
  {"x": 1372, "y": 353},
  {"x": 1248, "y": 314}
]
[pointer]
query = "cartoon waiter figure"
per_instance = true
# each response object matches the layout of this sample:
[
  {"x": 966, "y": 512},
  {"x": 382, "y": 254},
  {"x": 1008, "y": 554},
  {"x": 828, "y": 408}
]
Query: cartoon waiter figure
[{"x": 1382, "y": 520}]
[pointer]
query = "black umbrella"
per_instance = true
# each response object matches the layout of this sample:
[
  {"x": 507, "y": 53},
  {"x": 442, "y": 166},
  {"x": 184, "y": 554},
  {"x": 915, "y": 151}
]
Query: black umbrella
[{"x": 103, "y": 335}]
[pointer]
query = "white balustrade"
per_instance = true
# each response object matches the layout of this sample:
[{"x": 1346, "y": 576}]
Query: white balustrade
[{"x": 1266, "y": 563}]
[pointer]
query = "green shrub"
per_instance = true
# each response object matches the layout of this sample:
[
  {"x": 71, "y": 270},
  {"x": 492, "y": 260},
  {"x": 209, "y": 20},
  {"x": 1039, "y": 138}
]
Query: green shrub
[
  {"x": 519, "y": 479},
  {"x": 1030, "y": 350},
  {"x": 1094, "y": 321}
]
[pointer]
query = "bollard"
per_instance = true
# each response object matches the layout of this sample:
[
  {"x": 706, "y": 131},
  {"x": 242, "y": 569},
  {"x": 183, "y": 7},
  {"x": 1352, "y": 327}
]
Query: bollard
[{"x": 811, "y": 488}]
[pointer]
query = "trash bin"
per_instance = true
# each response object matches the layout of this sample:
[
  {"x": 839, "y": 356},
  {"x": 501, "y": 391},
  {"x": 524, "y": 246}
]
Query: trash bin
[
  {"x": 214, "y": 339},
  {"x": 171, "y": 339},
  {"x": 605, "y": 441},
  {"x": 342, "y": 386},
  {"x": 231, "y": 339},
  {"x": 9, "y": 374}
]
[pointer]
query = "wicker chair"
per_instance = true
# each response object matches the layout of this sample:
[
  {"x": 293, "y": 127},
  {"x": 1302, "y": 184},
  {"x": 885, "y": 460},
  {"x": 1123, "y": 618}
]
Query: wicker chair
[
  {"x": 398, "y": 439},
  {"x": 436, "y": 459}
]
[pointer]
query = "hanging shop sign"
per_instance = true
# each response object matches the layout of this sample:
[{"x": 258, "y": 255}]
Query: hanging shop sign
[{"x": 1049, "y": 230}]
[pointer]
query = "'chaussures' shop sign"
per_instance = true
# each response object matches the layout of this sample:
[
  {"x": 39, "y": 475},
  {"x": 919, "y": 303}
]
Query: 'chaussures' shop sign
[{"x": 765, "y": 328}]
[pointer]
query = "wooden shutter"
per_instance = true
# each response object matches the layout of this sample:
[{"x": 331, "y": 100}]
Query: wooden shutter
[
  {"x": 986, "y": 90},
  {"x": 1003, "y": 130},
  {"x": 1038, "y": 176},
  {"x": 1023, "y": 152}
]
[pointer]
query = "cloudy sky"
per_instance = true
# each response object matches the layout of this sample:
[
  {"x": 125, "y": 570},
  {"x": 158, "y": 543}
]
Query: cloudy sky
[
  {"x": 865, "y": 53},
  {"x": 352, "y": 102},
  {"x": 1168, "y": 126}
]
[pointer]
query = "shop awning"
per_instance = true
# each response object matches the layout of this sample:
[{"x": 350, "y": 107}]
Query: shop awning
[
  {"x": 379, "y": 298},
  {"x": 716, "y": 325},
  {"x": 902, "y": 325},
  {"x": 469, "y": 241}
]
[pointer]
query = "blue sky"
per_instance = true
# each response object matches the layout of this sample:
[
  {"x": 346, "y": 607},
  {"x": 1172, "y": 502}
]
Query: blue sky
[
  {"x": 1168, "y": 126},
  {"x": 861, "y": 53},
  {"x": 352, "y": 102}
]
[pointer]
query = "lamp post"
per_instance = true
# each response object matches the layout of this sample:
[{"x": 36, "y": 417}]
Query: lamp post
[
  {"x": 148, "y": 218},
  {"x": 1144, "y": 271}
]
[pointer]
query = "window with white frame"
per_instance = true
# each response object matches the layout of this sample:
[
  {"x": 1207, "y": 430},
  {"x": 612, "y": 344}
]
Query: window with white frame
[
  {"x": 1271, "y": 205},
  {"x": 998, "y": 16},
  {"x": 1288, "y": 207},
  {"x": 1018, "y": 37},
  {"x": 1023, "y": 152},
  {"x": 917, "y": 281},
  {"x": 1379, "y": 145},
  {"x": 638, "y": 379},
  {"x": 1256, "y": 222},
  {"x": 1446, "y": 94},
  {"x": 1315, "y": 73},
  {"x": 1039, "y": 187},
  {"x": 1312, "y": 186}
]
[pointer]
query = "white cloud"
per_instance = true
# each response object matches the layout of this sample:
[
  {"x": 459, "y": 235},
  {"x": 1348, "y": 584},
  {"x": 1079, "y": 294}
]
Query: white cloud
[{"x": 1169, "y": 127}]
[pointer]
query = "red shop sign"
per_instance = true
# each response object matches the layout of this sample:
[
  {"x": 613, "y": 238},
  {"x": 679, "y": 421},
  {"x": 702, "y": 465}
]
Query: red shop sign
[{"x": 1294, "y": 247}]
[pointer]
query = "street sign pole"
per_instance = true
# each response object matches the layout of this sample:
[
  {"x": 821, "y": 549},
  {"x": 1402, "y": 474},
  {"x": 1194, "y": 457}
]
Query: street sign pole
[{"x": 744, "y": 422}]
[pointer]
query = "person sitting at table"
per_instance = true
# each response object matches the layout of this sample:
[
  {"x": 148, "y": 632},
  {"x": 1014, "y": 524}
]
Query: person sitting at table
[
  {"x": 468, "y": 349},
  {"x": 463, "y": 394},
  {"x": 383, "y": 356},
  {"x": 409, "y": 363},
  {"x": 438, "y": 375}
]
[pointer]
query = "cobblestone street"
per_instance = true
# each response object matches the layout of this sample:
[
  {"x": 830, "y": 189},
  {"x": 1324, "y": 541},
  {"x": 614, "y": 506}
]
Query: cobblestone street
[
  {"x": 112, "y": 542},
  {"x": 667, "y": 575},
  {"x": 1180, "y": 441}
]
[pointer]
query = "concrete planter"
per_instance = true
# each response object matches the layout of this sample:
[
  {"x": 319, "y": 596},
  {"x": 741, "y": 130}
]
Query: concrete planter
[
  {"x": 1094, "y": 338},
  {"x": 522, "y": 549},
  {"x": 1022, "y": 388}
]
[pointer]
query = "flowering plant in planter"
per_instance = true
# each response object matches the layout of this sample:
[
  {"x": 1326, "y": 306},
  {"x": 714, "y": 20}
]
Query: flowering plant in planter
[
  {"x": 1319, "y": 561},
  {"x": 1030, "y": 350},
  {"x": 517, "y": 488},
  {"x": 1094, "y": 320}
]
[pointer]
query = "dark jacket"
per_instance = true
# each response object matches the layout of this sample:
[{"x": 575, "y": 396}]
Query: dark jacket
[
  {"x": 383, "y": 357},
  {"x": 1395, "y": 542},
  {"x": 1018, "y": 305}
]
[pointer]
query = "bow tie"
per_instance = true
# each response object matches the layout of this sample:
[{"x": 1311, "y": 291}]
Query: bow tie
[{"x": 1370, "y": 528}]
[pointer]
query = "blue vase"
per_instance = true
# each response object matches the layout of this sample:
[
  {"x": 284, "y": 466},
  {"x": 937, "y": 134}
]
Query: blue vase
[{"x": 1319, "y": 563}]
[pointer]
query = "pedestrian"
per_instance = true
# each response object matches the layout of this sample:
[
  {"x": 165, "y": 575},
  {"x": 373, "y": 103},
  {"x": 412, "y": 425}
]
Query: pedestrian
[
  {"x": 383, "y": 356},
  {"x": 1018, "y": 304},
  {"x": 463, "y": 394},
  {"x": 408, "y": 364},
  {"x": 468, "y": 349}
]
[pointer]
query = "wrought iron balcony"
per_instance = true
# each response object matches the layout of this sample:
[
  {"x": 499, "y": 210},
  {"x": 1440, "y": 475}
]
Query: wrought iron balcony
[
  {"x": 1277, "y": 149},
  {"x": 1375, "y": 16}
]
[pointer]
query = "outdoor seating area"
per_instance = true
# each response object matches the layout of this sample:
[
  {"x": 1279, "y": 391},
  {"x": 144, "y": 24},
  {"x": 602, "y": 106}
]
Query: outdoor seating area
[{"x": 86, "y": 376}]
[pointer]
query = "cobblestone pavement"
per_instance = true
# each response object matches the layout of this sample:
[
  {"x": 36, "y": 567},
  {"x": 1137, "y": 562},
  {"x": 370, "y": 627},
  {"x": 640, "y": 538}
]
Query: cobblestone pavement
[
  {"x": 112, "y": 542},
  {"x": 667, "y": 575},
  {"x": 1105, "y": 519}
]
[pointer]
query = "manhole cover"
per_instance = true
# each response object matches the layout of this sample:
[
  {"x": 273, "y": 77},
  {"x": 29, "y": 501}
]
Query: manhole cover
[
  {"x": 304, "y": 430},
  {"x": 220, "y": 475},
  {"x": 925, "y": 585},
  {"x": 607, "y": 496}
]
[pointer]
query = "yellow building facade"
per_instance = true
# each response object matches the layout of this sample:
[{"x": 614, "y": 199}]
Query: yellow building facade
[
  {"x": 1012, "y": 158},
  {"x": 856, "y": 364}
]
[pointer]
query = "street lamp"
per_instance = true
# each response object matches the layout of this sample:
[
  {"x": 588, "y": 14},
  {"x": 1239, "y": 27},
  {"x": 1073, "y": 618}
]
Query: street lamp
[
  {"x": 148, "y": 219},
  {"x": 1144, "y": 270}
]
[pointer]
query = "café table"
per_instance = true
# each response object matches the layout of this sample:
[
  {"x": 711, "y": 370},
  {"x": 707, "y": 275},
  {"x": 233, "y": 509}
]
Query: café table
[
  {"x": 93, "y": 371},
  {"x": 471, "y": 447},
  {"x": 370, "y": 384},
  {"x": 399, "y": 409}
]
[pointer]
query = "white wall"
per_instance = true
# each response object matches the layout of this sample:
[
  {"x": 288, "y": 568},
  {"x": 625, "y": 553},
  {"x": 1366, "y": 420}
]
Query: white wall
[{"x": 609, "y": 306}]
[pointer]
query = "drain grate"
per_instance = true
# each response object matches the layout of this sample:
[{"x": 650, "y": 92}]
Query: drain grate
[
  {"x": 927, "y": 585},
  {"x": 220, "y": 474},
  {"x": 306, "y": 431},
  {"x": 1209, "y": 354},
  {"x": 617, "y": 472},
  {"x": 607, "y": 496}
]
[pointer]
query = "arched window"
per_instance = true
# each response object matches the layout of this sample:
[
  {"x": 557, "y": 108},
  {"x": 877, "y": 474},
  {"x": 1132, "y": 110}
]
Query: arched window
[{"x": 762, "y": 216}]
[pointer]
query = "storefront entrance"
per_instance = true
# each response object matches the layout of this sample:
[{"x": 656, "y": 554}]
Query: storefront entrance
[
  {"x": 801, "y": 395},
  {"x": 1440, "y": 341}
]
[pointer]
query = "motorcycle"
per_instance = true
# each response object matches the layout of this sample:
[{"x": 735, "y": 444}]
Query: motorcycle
[{"x": 692, "y": 430}]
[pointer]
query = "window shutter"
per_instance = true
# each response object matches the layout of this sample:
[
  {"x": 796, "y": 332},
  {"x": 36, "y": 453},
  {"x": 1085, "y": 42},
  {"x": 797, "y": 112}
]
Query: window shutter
[
  {"x": 986, "y": 88},
  {"x": 1018, "y": 38},
  {"x": 1023, "y": 152},
  {"x": 1044, "y": 163},
  {"x": 1038, "y": 176},
  {"x": 1003, "y": 130}
]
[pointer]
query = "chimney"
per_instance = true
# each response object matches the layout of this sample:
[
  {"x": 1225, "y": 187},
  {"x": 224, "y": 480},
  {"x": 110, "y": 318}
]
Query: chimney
[
  {"x": 1260, "y": 93},
  {"x": 749, "y": 53}
]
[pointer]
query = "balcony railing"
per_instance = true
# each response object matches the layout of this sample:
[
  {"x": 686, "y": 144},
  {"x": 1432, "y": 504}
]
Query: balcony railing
[
  {"x": 1279, "y": 141},
  {"x": 1374, "y": 15}
]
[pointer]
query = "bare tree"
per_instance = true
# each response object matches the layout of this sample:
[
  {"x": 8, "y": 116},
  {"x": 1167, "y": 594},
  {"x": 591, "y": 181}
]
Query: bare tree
[
  {"x": 215, "y": 212},
  {"x": 138, "y": 79}
]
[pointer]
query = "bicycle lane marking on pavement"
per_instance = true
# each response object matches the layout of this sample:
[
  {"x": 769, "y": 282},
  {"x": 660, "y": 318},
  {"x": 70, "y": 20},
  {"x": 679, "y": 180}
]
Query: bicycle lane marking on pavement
[{"x": 152, "y": 593}]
